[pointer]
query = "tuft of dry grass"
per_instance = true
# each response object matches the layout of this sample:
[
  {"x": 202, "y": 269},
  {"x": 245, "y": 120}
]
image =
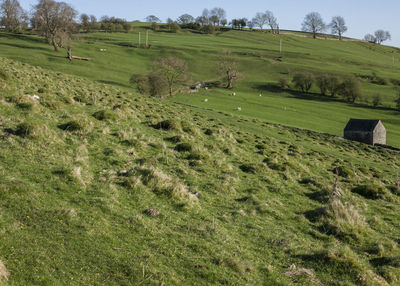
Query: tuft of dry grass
[
  {"x": 309, "y": 273},
  {"x": 4, "y": 274}
]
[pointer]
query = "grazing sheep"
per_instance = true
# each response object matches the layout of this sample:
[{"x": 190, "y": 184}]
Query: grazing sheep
[
  {"x": 239, "y": 109},
  {"x": 206, "y": 100},
  {"x": 260, "y": 95}
]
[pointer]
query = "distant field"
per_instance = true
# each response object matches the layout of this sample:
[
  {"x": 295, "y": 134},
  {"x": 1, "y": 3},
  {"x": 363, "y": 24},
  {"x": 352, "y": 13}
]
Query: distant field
[{"x": 258, "y": 52}]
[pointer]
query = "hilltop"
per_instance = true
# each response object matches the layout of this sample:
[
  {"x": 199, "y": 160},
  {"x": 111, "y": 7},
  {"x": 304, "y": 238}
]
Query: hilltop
[
  {"x": 102, "y": 186},
  {"x": 116, "y": 57}
]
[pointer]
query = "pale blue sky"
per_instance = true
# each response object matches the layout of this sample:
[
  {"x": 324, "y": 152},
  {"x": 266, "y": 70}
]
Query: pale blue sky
[{"x": 362, "y": 16}]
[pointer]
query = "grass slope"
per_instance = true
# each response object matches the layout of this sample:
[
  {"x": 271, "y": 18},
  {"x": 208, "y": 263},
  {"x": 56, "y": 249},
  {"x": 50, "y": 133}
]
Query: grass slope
[
  {"x": 99, "y": 186},
  {"x": 261, "y": 63}
]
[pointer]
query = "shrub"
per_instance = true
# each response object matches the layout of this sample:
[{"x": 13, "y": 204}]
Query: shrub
[
  {"x": 370, "y": 191},
  {"x": 152, "y": 84},
  {"x": 184, "y": 147},
  {"x": 105, "y": 115},
  {"x": 379, "y": 80},
  {"x": 333, "y": 85},
  {"x": 158, "y": 85},
  {"x": 322, "y": 82},
  {"x": 350, "y": 89},
  {"x": 27, "y": 129},
  {"x": 72, "y": 126},
  {"x": 303, "y": 81},
  {"x": 377, "y": 100},
  {"x": 142, "y": 83},
  {"x": 284, "y": 83}
]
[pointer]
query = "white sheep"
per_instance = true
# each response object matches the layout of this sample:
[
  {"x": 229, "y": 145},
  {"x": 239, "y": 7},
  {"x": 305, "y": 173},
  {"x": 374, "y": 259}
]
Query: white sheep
[
  {"x": 206, "y": 100},
  {"x": 239, "y": 109}
]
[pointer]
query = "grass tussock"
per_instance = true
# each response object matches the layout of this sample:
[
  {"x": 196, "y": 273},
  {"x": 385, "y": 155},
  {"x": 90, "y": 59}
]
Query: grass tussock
[
  {"x": 4, "y": 75},
  {"x": 343, "y": 220},
  {"x": 161, "y": 184},
  {"x": 105, "y": 115},
  {"x": 370, "y": 191},
  {"x": 345, "y": 261},
  {"x": 74, "y": 125},
  {"x": 28, "y": 130},
  {"x": 168, "y": 125}
]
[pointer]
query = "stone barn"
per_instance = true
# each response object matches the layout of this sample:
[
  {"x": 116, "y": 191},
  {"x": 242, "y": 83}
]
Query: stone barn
[{"x": 366, "y": 131}]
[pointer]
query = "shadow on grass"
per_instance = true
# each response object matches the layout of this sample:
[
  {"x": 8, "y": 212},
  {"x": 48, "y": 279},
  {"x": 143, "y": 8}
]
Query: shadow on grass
[
  {"x": 24, "y": 46},
  {"x": 274, "y": 88},
  {"x": 23, "y": 37}
]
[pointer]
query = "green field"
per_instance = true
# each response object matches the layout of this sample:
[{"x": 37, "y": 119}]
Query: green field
[
  {"x": 102, "y": 186},
  {"x": 261, "y": 64}
]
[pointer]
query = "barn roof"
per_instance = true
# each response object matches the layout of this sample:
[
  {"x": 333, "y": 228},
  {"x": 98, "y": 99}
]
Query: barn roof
[{"x": 366, "y": 125}]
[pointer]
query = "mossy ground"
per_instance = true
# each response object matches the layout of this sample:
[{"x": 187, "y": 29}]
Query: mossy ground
[{"x": 247, "y": 203}]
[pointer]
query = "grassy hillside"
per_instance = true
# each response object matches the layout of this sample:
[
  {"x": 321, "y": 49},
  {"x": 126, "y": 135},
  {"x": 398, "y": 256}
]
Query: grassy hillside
[
  {"x": 261, "y": 63},
  {"x": 99, "y": 186}
]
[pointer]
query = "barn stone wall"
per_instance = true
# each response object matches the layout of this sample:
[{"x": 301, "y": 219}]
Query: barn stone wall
[
  {"x": 380, "y": 135},
  {"x": 360, "y": 136}
]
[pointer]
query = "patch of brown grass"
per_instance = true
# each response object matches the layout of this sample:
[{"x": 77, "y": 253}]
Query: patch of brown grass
[{"x": 4, "y": 274}]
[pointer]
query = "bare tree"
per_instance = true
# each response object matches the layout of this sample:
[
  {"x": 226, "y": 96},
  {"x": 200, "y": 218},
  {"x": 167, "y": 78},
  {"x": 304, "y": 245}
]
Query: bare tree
[
  {"x": 313, "y": 23},
  {"x": 185, "y": 19},
  {"x": 271, "y": 21},
  {"x": 173, "y": 70},
  {"x": 228, "y": 68},
  {"x": 260, "y": 20},
  {"x": 382, "y": 36},
  {"x": 370, "y": 38},
  {"x": 55, "y": 20},
  {"x": 152, "y": 19},
  {"x": 202, "y": 21},
  {"x": 205, "y": 16},
  {"x": 13, "y": 17},
  {"x": 338, "y": 26},
  {"x": 217, "y": 15}
]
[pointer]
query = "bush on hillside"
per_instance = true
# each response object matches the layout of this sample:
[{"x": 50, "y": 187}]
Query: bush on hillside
[
  {"x": 377, "y": 100},
  {"x": 151, "y": 84},
  {"x": 284, "y": 83},
  {"x": 303, "y": 81},
  {"x": 142, "y": 83},
  {"x": 350, "y": 89},
  {"x": 322, "y": 82},
  {"x": 333, "y": 85}
]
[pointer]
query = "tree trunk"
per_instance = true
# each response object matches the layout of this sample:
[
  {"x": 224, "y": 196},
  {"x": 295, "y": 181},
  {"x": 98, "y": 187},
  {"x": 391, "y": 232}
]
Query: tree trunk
[
  {"x": 170, "y": 91},
  {"x": 340, "y": 36},
  {"x": 54, "y": 42},
  {"x": 229, "y": 85},
  {"x": 69, "y": 53}
]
